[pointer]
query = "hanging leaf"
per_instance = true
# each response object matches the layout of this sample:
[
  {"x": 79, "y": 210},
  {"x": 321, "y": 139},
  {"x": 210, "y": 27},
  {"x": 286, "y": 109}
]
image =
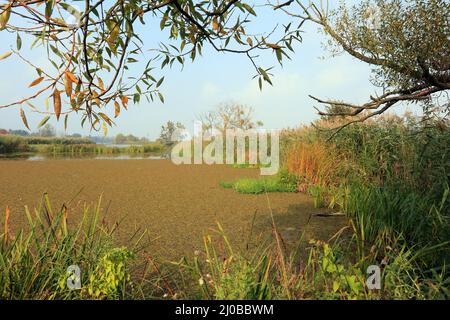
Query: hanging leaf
[
  {"x": 57, "y": 103},
  {"x": 160, "y": 82},
  {"x": 71, "y": 76},
  {"x": 66, "y": 117},
  {"x": 105, "y": 129},
  {"x": 105, "y": 118},
  {"x": 24, "y": 118},
  {"x": 101, "y": 85},
  {"x": 116, "y": 109},
  {"x": 250, "y": 41},
  {"x": 265, "y": 75},
  {"x": 161, "y": 97},
  {"x": 96, "y": 98},
  {"x": 18, "y": 42},
  {"x": 36, "y": 82},
  {"x": 114, "y": 31},
  {"x": 124, "y": 100},
  {"x": 249, "y": 9},
  {"x": 49, "y": 8},
  {"x": 279, "y": 54},
  {"x": 164, "y": 19},
  {"x": 4, "y": 17},
  {"x": 68, "y": 85},
  {"x": 43, "y": 122},
  {"x": 5, "y": 55}
]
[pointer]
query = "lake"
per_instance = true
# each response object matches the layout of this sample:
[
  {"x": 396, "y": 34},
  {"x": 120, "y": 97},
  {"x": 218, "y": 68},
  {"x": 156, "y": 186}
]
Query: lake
[{"x": 176, "y": 204}]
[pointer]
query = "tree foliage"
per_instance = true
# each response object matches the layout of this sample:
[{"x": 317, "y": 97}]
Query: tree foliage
[
  {"x": 92, "y": 52},
  {"x": 168, "y": 132},
  {"x": 405, "y": 41},
  {"x": 229, "y": 116}
]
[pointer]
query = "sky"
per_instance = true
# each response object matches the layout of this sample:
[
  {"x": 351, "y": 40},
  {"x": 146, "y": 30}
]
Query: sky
[{"x": 212, "y": 79}]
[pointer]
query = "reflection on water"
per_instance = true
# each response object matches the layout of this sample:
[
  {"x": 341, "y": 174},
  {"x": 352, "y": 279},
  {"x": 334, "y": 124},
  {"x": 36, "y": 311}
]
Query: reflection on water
[{"x": 70, "y": 156}]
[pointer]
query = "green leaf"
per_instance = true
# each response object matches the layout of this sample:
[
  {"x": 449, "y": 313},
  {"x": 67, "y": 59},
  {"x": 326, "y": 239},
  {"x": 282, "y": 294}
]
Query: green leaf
[
  {"x": 160, "y": 82},
  {"x": 49, "y": 8},
  {"x": 24, "y": 118},
  {"x": 161, "y": 97},
  {"x": 249, "y": 9},
  {"x": 43, "y": 122},
  {"x": 18, "y": 42},
  {"x": 279, "y": 54},
  {"x": 336, "y": 286},
  {"x": 265, "y": 75},
  {"x": 66, "y": 117},
  {"x": 164, "y": 20}
]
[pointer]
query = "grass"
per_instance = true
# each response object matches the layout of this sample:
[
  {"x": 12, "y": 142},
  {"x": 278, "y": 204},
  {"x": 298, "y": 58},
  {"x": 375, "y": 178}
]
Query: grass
[
  {"x": 34, "y": 262},
  {"x": 391, "y": 178},
  {"x": 283, "y": 182},
  {"x": 222, "y": 272},
  {"x": 34, "y": 266}
]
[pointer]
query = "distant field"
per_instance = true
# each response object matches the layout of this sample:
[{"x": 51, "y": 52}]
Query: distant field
[{"x": 177, "y": 204}]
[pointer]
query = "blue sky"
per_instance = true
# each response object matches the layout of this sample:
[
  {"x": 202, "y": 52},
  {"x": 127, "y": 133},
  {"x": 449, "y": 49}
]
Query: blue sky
[{"x": 209, "y": 81}]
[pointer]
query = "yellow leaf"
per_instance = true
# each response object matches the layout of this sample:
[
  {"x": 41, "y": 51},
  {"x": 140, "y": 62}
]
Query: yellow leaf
[
  {"x": 101, "y": 85},
  {"x": 4, "y": 17},
  {"x": 105, "y": 129},
  {"x": 35, "y": 82},
  {"x": 105, "y": 118},
  {"x": 116, "y": 109},
  {"x": 95, "y": 97},
  {"x": 5, "y": 55}
]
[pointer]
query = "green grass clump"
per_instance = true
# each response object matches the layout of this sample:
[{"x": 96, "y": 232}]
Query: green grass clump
[
  {"x": 283, "y": 182},
  {"x": 226, "y": 185}
]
